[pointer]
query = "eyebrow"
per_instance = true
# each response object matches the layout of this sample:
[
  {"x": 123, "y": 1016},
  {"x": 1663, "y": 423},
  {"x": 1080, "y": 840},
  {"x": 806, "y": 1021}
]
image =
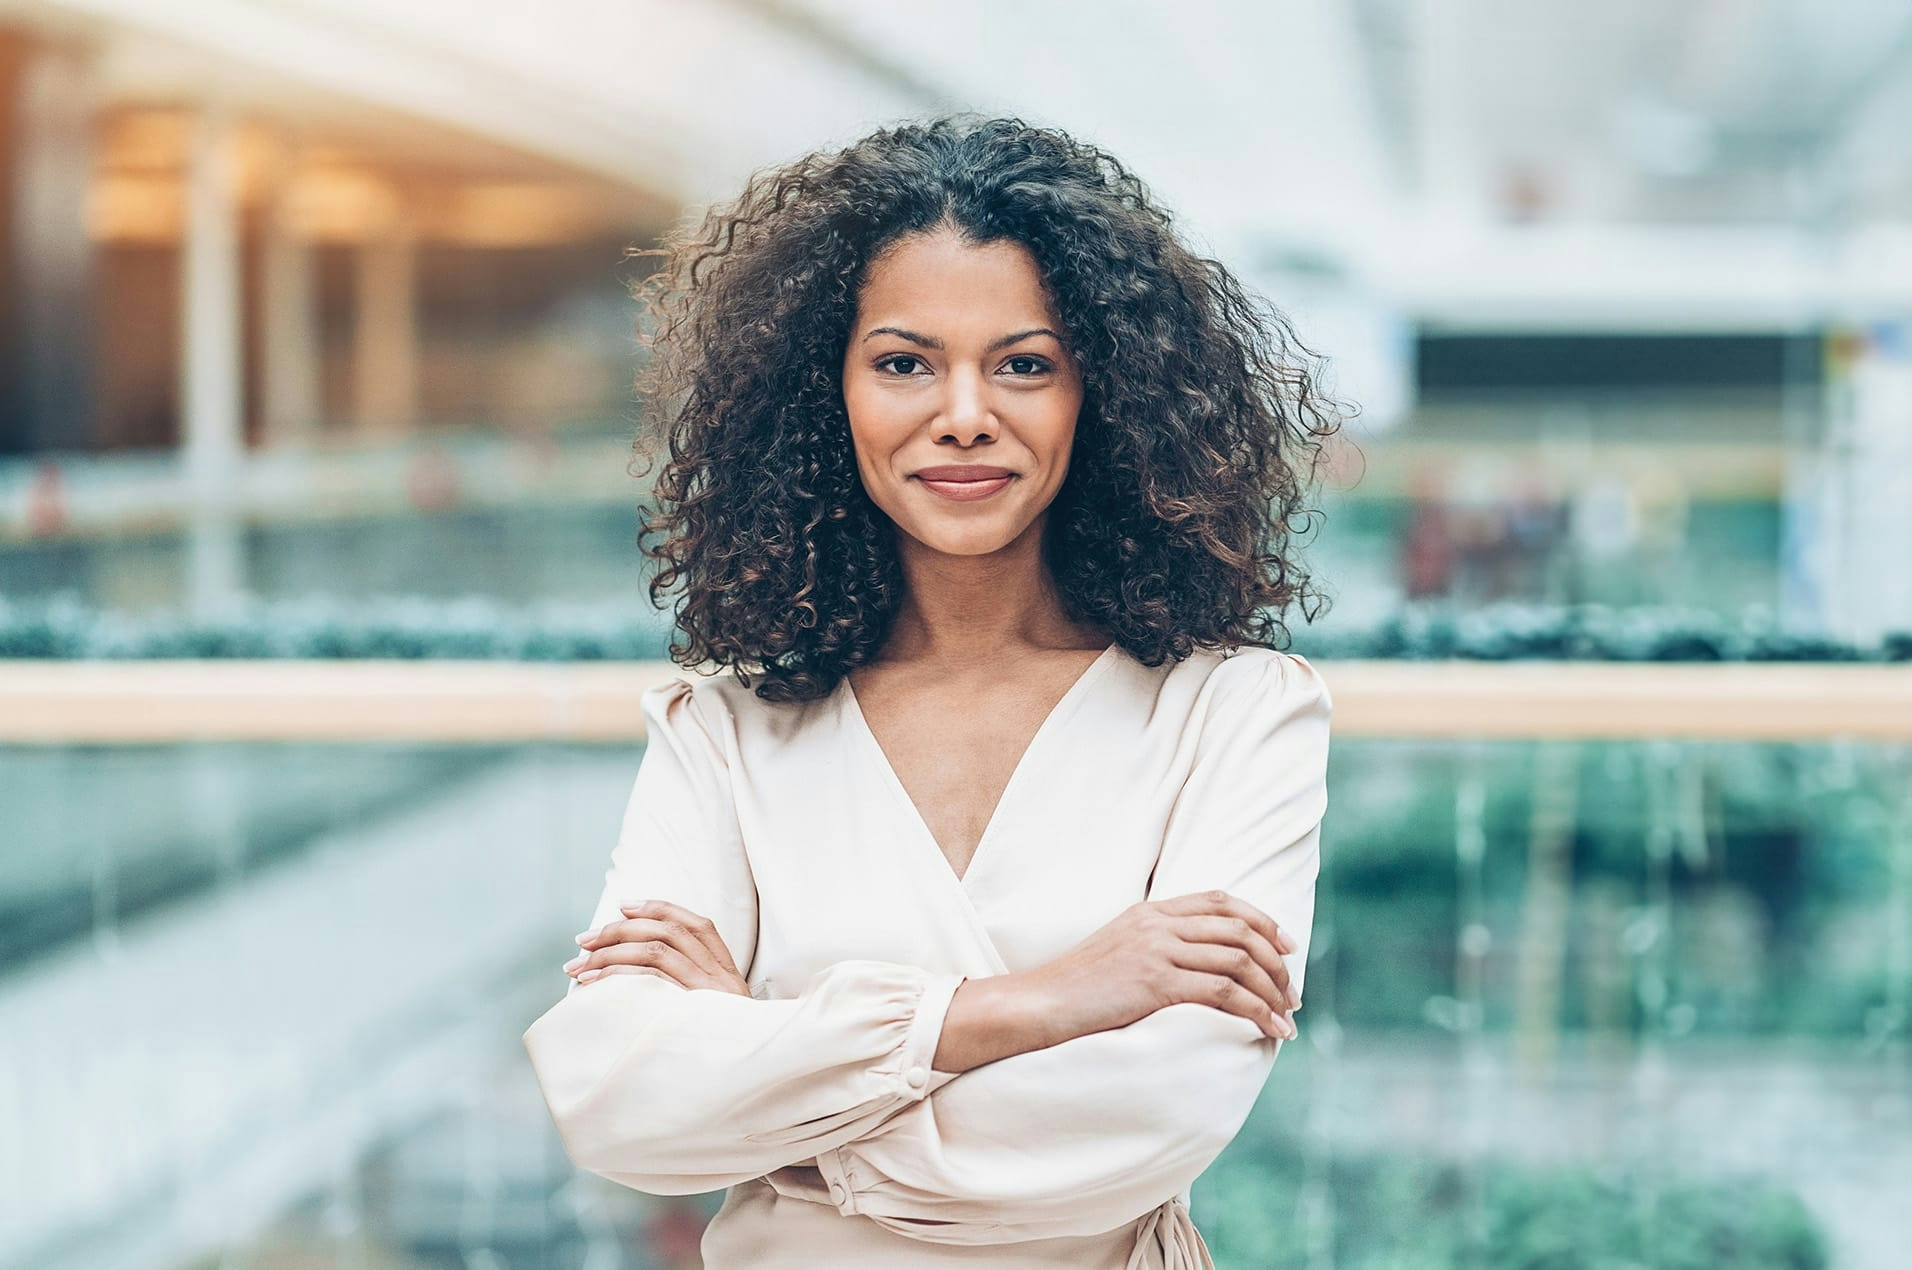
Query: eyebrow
[{"x": 930, "y": 341}]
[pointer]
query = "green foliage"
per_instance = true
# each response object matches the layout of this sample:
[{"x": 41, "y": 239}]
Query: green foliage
[
  {"x": 1590, "y": 632},
  {"x": 406, "y": 627},
  {"x": 344, "y": 629},
  {"x": 1767, "y": 911},
  {"x": 1259, "y": 1210}
]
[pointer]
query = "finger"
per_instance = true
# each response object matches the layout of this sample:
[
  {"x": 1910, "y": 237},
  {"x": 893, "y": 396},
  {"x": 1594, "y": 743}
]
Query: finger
[
  {"x": 604, "y": 971},
  {"x": 634, "y": 933},
  {"x": 1239, "y": 965},
  {"x": 1229, "y": 996},
  {"x": 695, "y": 924},
  {"x": 1235, "y": 932},
  {"x": 1226, "y": 905},
  {"x": 652, "y": 952},
  {"x": 637, "y": 930},
  {"x": 699, "y": 927}
]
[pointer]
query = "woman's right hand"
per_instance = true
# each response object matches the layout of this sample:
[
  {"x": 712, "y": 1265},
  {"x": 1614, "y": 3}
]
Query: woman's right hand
[{"x": 1209, "y": 948}]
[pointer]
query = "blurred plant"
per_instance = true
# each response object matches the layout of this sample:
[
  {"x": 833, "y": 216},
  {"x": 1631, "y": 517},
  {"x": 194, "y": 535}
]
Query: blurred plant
[
  {"x": 1779, "y": 917},
  {"x": 479, "y": 627},
  {"x": 1591, "y": 632},
  {"x": 347, "y": 628},
  {"x": 1395, "y": 1214}
]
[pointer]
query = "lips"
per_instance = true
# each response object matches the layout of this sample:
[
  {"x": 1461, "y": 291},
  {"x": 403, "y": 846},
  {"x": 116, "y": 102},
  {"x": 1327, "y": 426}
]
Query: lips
[
  {"x": 965, "y": 483},
  {"x": 951, "y": 472}
]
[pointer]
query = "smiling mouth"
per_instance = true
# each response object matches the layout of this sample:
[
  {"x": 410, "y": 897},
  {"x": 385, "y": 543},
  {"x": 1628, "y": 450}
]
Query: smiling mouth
[{"x": 966, "y": 491}]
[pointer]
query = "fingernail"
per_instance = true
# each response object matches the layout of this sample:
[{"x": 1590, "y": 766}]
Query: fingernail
[
  {"x": 1294, "y": 999},
  {"x": 576, "y": 961},
  {"x": 1288, "y": 1027},
  {"x": 585, "y": 937},
  {"x": 589, "y": 975}
]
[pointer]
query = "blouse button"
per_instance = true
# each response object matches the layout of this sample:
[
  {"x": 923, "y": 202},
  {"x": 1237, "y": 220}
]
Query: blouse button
[
  {"x": 836, "y": 1192},
  {"x": 918, "y": 1077}
]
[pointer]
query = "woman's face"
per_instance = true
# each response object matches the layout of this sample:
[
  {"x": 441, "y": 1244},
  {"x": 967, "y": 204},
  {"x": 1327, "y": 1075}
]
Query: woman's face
[{"x": 956, "y": 361}]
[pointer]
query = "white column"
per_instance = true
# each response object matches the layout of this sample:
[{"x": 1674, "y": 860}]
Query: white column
[
  {"x": 210, "y": 383},
  {"x": 1867, "y": 467},
  {"x": 385, "y": 335},
  {"x": 289, "y": 299}
]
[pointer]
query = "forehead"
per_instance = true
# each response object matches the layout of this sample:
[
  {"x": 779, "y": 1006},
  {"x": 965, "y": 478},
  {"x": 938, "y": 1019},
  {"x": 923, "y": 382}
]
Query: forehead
[{"x": 941, "y": 276}]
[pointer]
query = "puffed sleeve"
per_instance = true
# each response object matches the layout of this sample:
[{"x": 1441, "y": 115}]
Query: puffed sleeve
[
  {"x": 1082, "y": 1137},
  {"x": 677, "y": 1091}
]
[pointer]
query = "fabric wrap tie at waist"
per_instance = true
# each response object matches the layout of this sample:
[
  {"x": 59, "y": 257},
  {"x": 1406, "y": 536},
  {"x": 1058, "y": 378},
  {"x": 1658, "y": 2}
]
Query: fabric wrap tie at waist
[{"x": 1170, "y": 1233}]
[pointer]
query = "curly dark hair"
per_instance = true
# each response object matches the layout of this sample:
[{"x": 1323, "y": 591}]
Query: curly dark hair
[{"x": 1199, "y": 436}]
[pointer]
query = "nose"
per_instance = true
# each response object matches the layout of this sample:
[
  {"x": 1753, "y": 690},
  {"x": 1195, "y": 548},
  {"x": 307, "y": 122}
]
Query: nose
[{"x": 966, "y": 412}]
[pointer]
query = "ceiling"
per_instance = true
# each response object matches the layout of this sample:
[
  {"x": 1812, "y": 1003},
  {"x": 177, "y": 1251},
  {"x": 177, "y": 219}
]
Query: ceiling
[
  {"x": 1490, "y": 163},
  {"x": 1702, "y": 111}
]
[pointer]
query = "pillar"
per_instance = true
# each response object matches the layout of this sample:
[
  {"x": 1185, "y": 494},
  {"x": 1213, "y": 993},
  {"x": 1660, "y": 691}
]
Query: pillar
[
  {"x": 290, "y": 347},
  {"x": 385, "y": 332},
  {"x": 212, "y": 417}
]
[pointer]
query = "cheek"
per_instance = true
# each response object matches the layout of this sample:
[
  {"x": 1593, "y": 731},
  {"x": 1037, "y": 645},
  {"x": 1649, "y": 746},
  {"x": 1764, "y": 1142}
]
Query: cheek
[
  {"x": 871, "y": 410},
  {"x": 863, "y": 418},
  {"x": 881, "y": 415},
  {"x": 873, "y": 435},
  {"x": 1059, "y": 424}
]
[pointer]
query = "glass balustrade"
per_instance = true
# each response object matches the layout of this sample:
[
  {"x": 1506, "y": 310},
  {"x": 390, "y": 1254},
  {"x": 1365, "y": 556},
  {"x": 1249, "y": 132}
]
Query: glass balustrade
[{"x": 260, "y": 1005}]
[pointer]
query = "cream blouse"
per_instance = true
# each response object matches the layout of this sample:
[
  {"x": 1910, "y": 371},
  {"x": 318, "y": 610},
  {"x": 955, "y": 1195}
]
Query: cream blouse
[{"x": 814, "y": 1100}]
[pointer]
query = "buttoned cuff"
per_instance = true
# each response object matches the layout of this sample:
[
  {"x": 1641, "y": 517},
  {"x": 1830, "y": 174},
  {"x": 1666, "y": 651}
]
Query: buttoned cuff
[
  {"x": 918, "y": 1055},
  {"x": 915, "y": 1077}
]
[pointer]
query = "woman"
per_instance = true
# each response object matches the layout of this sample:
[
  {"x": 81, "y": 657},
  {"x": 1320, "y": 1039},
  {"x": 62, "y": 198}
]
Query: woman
[{"x": 963, "y": 922}]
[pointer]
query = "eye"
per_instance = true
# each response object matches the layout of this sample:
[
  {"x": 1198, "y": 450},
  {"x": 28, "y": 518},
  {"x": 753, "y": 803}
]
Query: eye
[
  {"x": 902, "y": 364},
  {"x": 1027, "y": 364}
]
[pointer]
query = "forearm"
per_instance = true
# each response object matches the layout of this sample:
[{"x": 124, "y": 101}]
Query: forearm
[{"x": 996, "y": 1017}]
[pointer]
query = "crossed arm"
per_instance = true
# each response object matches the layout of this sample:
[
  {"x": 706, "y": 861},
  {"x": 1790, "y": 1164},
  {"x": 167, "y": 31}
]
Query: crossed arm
[{"x": 670, "y": 1090}]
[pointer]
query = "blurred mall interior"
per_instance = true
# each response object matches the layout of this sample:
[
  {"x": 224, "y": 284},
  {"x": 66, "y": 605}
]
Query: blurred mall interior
[{"x": 328, "y": 301}]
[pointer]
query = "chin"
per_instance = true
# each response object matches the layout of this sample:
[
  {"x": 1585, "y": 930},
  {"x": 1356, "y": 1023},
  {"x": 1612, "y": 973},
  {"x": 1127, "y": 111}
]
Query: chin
[
  {"x": 968, "y": 546},
  {"x": 976, "y": 541}
]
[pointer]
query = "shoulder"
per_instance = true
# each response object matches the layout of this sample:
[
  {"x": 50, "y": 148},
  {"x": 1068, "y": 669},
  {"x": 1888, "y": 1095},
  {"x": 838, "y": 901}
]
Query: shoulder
[
  {"x": 1250, "y": 695},
  {"x": 724, "y": 712},
  {"x": 1249, "y": 677},
  {"x": 687, "y": 706}
]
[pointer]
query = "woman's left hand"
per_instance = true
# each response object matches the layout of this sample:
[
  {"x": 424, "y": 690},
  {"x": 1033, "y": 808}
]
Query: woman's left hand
[{"x": 663, "y": 939}]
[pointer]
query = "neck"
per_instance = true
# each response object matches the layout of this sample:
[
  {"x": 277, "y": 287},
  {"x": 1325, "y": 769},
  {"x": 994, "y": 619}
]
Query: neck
[{"x": 963, "y": 610}]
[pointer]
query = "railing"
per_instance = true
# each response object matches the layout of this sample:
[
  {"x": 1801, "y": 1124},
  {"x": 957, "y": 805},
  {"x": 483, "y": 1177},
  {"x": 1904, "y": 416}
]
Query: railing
[{"x": 147, "y": 702}]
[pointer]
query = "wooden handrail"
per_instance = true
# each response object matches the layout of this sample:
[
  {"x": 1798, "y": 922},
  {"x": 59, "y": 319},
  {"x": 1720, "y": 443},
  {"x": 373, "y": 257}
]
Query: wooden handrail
[{"x": 162, "y": 702}]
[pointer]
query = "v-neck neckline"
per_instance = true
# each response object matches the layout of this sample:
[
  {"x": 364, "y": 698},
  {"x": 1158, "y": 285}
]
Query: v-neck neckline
[{"x": 1064, "y": 706}]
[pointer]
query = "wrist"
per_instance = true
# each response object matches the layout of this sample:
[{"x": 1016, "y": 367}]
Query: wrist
[
  {"x": 1037, "y": 1009},
  {"x": 994, "y": 1017}
]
